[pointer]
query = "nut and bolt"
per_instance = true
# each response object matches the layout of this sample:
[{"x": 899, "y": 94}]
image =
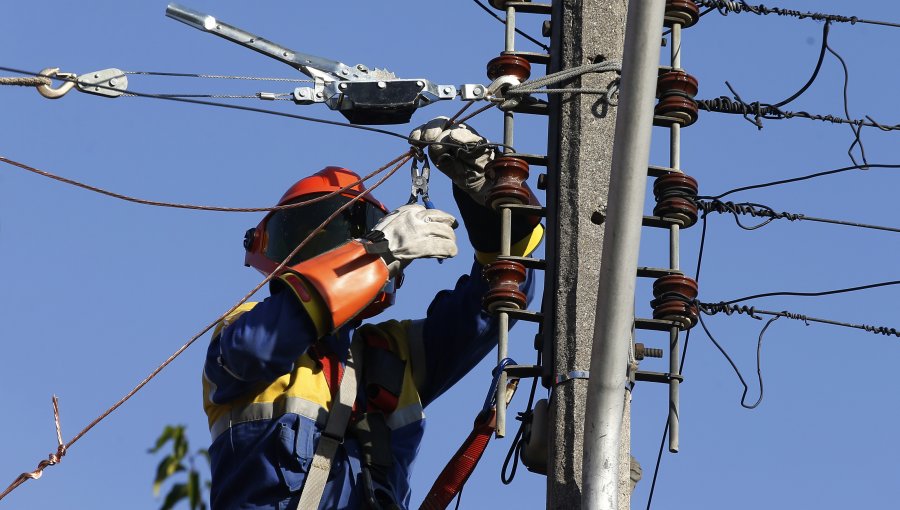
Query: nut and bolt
[
  {"x": 546, "y": 28},
  {"x": 542, "y": 182},
  {"x": 343, "y": 86},
  {"x": 448, "y": 90},
  {"x": 382, "y": 84},
  {"x": 113, "y": 82},
  {"x": 641, "y": 352}
]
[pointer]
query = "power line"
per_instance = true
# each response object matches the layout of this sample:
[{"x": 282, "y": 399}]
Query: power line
[
  {"x": 814, "y": 294},
  {"x": 687, "y": 339},
  {"x": 741, "y": 6},
  {"x": 801, "y": 178},
  {"x": 518, "y": 31},
  {"x": 764, "y": 211},
  {"x": 276, "y": 113}
]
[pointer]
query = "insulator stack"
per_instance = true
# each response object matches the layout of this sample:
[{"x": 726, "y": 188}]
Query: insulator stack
[
  {"x": 676, "y": 91},
  {"x": 504, "y": 278},
  {"x": 509, "y": 65},
  {"x": 510, "y": 174},
  {"x": 676, "y": 198},
  {"x": 683, "y": 12},
  {"x": 674, "y": 300}
]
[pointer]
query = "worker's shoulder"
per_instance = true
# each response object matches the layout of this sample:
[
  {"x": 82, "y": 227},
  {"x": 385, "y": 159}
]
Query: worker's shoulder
[{"x": 232, "y": 316}]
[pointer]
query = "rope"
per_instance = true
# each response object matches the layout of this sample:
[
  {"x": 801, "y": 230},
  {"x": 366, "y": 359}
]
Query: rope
[
  {"x": 26, "y": 81},
  {"x": 63, "y": 447}
]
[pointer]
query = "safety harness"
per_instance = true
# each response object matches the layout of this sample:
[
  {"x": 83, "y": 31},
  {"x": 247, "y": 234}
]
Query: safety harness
[{"x": 372, "y": 361}]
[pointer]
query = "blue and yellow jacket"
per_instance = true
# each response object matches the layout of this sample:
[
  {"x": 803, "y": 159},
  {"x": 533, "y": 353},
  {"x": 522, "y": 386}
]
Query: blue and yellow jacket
[{"x": 267, "y": 396}]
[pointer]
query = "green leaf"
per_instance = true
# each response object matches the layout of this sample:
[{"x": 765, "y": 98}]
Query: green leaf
[
  {"x": 193, "y": 490},
  {"x": 168, "y": 433},
  {"x": 178, "y": 492},
  {"x": 166, "y": 468}
]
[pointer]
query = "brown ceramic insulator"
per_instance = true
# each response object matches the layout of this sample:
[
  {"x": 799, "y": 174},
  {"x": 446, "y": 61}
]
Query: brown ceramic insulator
[
  {"x": 675, "y": 284},
  {"x": 506, "y": 65},
  {"x": 676, "y": 80},
  {"x": 509, "y": 175},
  {"x": 675, "y": 310},
  {"x": 682, "y": 110},
  {"x": 679, "y": 209},
  {"x": 676, "y": 184},
  {"x": 504, "y": 278},
  {"x": 685, "y": 11},
  {"x": 676, "y": 196}
]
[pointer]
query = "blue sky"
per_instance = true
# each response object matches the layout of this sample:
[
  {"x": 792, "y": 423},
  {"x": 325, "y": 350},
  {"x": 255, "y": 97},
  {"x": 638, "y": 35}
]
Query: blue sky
[{"x": 97, "y": 292}]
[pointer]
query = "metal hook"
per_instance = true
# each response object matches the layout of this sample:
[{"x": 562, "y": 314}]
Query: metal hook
[{"x": 56, "y": 93}]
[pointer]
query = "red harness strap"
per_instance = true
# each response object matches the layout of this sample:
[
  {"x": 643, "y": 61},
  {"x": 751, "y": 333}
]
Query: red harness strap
[{"x": 462, "y": 464}]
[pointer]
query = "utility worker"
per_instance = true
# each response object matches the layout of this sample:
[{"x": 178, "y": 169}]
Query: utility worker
[{"x": 282, "y": 375}]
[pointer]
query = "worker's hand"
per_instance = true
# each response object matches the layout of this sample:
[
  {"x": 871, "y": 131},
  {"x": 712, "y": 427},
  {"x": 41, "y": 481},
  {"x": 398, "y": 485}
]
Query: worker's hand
[
  {"x": 413, "y": 232},
  {"x": 464, "y": 165}
]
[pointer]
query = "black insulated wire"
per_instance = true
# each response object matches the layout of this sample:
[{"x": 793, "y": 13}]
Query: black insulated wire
[
  {"x": 684, "y": 350},
  {"x": 799, "y": 179},
  {"x": 518, "y": 31}
]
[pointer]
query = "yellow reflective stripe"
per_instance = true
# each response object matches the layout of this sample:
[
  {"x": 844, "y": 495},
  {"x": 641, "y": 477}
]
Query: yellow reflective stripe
[
  {"x": 306, "y": 382},
  {"x": 267, "y": 411},
  {"x": 310, "y": 299},
  {"x": 521, "y": 248},
  {"x": 233, "y": 316}
]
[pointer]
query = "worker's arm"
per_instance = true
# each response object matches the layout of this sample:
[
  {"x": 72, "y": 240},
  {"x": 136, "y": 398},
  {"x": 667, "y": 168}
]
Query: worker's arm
[
  {"x": 456, "y": 334},
  {"x": 257, "y": 344},
  {"x": 315, "y": 298}
]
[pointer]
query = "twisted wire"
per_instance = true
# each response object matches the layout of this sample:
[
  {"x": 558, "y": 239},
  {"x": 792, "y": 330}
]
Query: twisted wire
[
  {"x": 724, "y": 7},
  {"x": 745, "y": 208},
  {"x": 64, "y": 447},
  {"x": 733, "y": 309}
]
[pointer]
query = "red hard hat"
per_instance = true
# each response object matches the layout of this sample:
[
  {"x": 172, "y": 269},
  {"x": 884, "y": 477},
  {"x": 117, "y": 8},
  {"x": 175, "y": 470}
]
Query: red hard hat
[{"x": 281, "y": 231}]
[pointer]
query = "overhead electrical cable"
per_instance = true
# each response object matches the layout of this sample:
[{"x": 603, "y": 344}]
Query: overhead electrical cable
[{"x": 276, "y": 113}]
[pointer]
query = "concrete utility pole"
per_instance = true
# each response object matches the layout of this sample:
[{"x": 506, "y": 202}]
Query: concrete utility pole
[{"x": 580, "y": 150}]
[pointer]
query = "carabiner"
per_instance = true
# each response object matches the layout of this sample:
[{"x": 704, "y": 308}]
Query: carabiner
[{"x": 56, "y": 93}]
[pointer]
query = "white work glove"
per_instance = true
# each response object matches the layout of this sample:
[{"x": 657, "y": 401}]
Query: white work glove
[
  {"x": 464, "y": 167},
  {"x": 413, "y": 232}
]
